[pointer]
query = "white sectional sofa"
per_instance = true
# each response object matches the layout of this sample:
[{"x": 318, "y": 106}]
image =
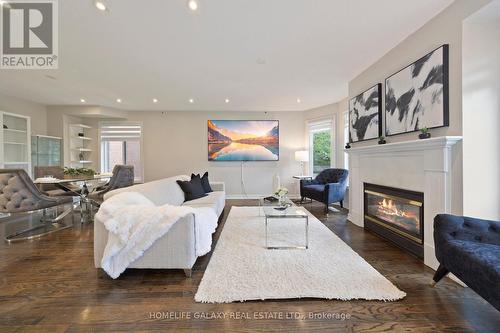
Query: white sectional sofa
[{"x": 176, "y": 249}]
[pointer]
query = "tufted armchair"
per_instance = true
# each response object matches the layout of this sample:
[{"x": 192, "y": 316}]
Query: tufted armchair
[
  {"x": 328, "y": 187},
  {"x": 123, "y": 176},
  {"x": 470, "y": 249},
  {"x": 18, "y": 194}
]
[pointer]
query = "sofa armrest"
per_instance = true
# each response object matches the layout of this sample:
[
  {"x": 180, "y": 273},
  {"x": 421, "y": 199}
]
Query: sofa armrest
[
  {"x": 335, "y": 186},
  {"x": 450, "y": 227},
  {"x": 305, "y": 182},
  {"x": 335, "y": 191},
  {"x": 175, "y": 249},
  {"x": 218, "y": 186}
]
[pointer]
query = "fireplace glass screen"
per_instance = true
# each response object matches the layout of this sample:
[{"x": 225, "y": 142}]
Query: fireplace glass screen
[
  {"x": 396, "y": 214},
  {"x": 399, "y": 212}
]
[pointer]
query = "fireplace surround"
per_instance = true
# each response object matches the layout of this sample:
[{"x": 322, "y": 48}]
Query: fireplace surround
[
  {"x": 431, "y": 166},
  {"x": 397, "y": 215}
]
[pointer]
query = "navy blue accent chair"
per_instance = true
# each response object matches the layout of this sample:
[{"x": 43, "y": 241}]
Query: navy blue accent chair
[
  {"x": 328, "y": 187},
  {"x": 470, "y": 249}
]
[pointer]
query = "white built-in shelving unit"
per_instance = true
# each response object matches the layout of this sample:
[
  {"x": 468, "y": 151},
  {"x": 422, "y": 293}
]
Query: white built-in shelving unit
[
  {"x": 79, "y": 145},
  {"x": 15, "y": 142}
]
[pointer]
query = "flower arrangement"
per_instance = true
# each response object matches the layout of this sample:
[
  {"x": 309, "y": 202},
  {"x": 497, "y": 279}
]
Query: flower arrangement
[
  {"x": 78, "y": 172},
  {"x": 281, "y": 192}
]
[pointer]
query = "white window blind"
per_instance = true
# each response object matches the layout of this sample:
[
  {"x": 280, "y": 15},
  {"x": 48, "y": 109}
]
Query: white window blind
[
  {"x": 121, "y": 143},
  {"x": 120, "y": 132},
  {"x": 320, "y": 125}
]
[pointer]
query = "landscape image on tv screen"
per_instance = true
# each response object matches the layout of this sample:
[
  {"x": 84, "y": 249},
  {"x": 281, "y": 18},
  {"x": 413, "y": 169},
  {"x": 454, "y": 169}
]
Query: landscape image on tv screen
[{"x": 243, "y": 140}]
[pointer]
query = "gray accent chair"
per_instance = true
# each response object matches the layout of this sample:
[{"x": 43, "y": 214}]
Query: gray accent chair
[
  {"x": 18, "y": 194},
  {"x": 123, "y": 176}
]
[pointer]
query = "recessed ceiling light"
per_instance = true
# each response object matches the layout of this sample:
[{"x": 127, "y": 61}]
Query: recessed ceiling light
[
  {"x": 191, "y": 100},
  {"x": 193, "y": 5},
  {"x": 226, "y": 100},
  {"x": 99, "y": 5},
  {"x": 118, "y": 100},
  {"x": 298, "y": 100},
  {"x": 155, "y": 100},
  {"x": 82, "y": 100}
]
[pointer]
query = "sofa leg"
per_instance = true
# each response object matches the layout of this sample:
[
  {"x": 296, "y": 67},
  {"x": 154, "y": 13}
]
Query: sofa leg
[
  {"x": 188, "y": 272},
  {"x": 341, "y": 203},
  {"x": 326, "y": 208},
  {"x": 440, "y": 273}
]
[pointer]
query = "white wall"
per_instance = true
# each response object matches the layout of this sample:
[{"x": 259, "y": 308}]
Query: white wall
[
  {"x": 445, "y": 28},
  {"x": 37, "y": 112},
  {"x": 176, "y": 143},
  {"x": 481, "y": 114}
]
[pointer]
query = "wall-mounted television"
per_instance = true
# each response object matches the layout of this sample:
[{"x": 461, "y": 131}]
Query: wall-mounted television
[{"x": 243, "y": 140}]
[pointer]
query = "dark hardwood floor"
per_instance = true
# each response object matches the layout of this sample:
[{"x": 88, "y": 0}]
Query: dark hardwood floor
[{"x": 51, "y": 285}]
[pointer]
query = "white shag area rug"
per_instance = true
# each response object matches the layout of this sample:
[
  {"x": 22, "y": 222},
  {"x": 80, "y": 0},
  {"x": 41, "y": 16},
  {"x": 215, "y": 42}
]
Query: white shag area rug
[{"x": 242, "y": 269}]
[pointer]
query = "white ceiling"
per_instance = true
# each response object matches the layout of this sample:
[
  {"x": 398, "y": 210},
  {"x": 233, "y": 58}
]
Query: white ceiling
[{"x": 140, "y": 50}]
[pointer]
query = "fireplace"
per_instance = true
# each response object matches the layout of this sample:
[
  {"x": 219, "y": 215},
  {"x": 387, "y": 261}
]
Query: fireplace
[{"x": 397, "y": 215}]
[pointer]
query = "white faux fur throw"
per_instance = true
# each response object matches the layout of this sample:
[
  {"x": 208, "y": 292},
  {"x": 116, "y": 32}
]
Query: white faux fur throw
[{"x": 134, "y": 223}]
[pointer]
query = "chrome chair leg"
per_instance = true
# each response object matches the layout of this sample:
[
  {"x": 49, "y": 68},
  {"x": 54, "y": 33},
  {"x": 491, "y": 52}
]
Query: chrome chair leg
[
  {"x": 91, "y": 209},
  {"x": 45, "y": 221},
  {"x": 82, "y": 215},
  {"x": 58, "y": 216}
]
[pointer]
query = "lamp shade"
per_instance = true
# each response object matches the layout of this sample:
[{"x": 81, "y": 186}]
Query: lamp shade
[{"x": 302, "y": 156}]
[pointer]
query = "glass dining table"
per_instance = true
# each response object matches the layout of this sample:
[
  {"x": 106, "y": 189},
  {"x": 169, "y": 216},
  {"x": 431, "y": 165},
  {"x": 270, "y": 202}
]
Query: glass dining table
[{"x": 80, "y": 188}]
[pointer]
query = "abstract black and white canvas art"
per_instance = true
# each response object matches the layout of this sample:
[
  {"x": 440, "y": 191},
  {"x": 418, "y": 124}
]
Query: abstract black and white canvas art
[
  {"x": 365, "y": 115},
  {"x": 417, "y": 96}
]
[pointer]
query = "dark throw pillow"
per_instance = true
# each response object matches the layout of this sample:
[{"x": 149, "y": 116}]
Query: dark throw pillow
[
  {"x": 192, "y": 189},
  {"x": 204, "y": 182}
]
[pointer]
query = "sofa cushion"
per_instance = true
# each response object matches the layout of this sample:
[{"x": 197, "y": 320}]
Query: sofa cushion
[
  {"x": 205, "y": 183},
  {"x": 315, "y": 188},
  {"x": 160, "y": 192},
  {"x": 466, "y": 258},
  {"x": 192, "y": 189},
  {"x": 332, "y": 176},
  {"x": 215, "y": 200}
]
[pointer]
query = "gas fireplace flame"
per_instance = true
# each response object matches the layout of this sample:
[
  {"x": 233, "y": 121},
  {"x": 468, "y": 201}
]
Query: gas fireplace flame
[{"x": 388, "y": 207}]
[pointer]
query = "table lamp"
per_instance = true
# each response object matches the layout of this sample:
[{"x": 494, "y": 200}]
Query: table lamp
[{"x": 302, "y": 156}]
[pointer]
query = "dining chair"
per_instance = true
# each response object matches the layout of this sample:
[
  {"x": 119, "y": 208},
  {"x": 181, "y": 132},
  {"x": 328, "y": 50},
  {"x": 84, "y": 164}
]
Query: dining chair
[
  {"x": 123, "y": 176},
  {"x": 52, "y": 189}
]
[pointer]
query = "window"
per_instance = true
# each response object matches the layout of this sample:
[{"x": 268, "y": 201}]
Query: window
[
  {"x": 121, "y": 144},
  {"x": 320, "y": 145},
  {"x": 346, "y": 138}
]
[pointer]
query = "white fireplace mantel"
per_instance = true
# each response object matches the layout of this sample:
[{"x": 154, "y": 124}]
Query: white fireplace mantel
[
  {"x": 418, "y": 165},
  {"x": 432, "y": 143}
]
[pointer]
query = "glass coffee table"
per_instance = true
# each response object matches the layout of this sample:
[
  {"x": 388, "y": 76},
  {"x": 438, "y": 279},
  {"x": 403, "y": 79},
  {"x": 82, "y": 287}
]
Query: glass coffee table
[{"x": 292, "y": 212}]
